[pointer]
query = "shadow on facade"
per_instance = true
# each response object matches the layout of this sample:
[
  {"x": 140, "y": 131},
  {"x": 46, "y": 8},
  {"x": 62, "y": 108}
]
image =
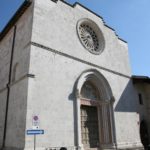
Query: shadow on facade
[{"x": 128, "y": 101}]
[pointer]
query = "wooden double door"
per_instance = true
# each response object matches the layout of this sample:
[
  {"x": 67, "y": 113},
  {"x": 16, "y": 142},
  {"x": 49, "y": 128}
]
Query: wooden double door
[{"x": 89, "y": 127}]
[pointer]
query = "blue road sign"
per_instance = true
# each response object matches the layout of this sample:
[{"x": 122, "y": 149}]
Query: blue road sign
[{"x": 34, "y": 132}]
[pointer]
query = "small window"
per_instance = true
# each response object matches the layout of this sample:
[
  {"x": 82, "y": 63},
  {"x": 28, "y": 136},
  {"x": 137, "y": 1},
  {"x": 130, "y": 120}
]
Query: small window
[{"x": 140, "y": 99}]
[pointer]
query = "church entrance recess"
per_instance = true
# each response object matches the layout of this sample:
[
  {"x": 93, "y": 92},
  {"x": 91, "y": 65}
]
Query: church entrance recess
[{"x": 94, "y": 108}]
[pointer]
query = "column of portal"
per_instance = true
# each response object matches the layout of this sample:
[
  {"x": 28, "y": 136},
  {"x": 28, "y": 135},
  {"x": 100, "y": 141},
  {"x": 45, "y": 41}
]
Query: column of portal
[{"x": 105, "y": 122}]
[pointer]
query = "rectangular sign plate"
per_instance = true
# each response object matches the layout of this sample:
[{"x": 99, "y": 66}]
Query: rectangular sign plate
[{"x": 33, "y": 132}]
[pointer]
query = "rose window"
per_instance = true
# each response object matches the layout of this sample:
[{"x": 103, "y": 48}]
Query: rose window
[{"x": 90, "y": 36}]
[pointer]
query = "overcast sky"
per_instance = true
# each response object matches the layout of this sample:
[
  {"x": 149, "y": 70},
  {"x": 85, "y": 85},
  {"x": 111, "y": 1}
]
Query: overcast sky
[{"x": 130, "y": 19}]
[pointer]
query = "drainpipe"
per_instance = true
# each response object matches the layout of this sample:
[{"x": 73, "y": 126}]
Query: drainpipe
[{"x": 8, "y": 87}]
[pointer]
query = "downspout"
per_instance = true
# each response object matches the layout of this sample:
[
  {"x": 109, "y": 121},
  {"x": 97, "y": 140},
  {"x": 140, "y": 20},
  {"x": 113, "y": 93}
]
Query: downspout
[{"x": 8, "y": 87}]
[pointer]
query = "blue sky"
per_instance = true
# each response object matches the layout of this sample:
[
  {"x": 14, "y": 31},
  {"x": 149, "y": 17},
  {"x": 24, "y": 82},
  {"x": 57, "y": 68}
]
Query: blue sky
[{"x": 129, "y": 18}]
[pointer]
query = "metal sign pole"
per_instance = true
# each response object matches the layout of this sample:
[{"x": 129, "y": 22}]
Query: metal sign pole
[
  {"x": 34, "y": 141},
  {"x": 35, "y": 132}
]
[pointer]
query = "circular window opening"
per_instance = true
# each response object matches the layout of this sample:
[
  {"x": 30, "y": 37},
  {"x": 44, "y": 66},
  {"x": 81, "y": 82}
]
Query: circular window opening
[{"x": 90, "y": 36}]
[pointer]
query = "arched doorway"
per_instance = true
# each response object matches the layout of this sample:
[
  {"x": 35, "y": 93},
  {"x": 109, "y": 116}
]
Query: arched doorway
[
  {"x": 95, "y": 121},
  {"x": 89, "y": 115}
]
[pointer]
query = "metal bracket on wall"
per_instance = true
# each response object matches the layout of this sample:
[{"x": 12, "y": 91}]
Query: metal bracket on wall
[{"x": 31, "y": 75}]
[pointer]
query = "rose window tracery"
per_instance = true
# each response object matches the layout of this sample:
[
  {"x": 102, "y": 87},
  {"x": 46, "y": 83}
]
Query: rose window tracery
[{"x": 90, "y": 36}]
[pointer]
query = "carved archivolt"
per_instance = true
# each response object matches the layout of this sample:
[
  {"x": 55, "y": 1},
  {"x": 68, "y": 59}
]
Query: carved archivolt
[{"x": 93, "y": 90}]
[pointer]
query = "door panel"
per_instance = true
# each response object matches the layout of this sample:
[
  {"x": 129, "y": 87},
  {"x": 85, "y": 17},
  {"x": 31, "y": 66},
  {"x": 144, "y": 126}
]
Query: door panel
[{"x": 89, "y": 126}]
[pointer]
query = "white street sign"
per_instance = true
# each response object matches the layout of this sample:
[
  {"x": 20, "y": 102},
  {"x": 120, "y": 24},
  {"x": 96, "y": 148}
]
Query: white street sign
[{"x": 35, "y": 122}]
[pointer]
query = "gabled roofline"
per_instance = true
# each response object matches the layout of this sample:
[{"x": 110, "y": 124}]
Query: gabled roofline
[
  {"x": 27, "y": 3},
  {"x": 15, "y": 18},
  {"x": 77, "y": 3}
]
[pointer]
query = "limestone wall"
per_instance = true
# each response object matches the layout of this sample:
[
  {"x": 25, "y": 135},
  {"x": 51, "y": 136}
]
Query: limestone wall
[
  {"x": 60, "y": 61},
  {"x": 15, "y": 128},
  {"x": 57, "y": 59},
  {"x": 5, "y": 52},
  {"x": 51, "y": 96},
  {"x": 55, "y": 26}
]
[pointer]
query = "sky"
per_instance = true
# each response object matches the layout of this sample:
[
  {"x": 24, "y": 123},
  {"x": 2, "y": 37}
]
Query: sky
[{"x": 129, "y": 18}]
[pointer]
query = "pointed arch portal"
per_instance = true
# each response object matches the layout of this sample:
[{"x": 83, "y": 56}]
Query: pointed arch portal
[{"x": 94, "y": 107}]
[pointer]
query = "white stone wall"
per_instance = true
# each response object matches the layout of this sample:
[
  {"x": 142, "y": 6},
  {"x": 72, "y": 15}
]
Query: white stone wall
[
  {"x": 51, "y": 92},
  {"x": 3, "y": 96},
  {"x": 56, "y": 67},
  {"x": 55, "y": 24},
  {"x": 5, "y": 54},
  {"x": 15, "y": 131},
  {"x": 16, "y": 124},
  {"x": 51, "y": 97},
  {"x": 5, "y": 50}
]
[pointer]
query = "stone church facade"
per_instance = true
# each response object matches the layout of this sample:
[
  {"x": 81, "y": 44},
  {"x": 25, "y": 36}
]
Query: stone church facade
[{"x": 63, "y": 64}]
